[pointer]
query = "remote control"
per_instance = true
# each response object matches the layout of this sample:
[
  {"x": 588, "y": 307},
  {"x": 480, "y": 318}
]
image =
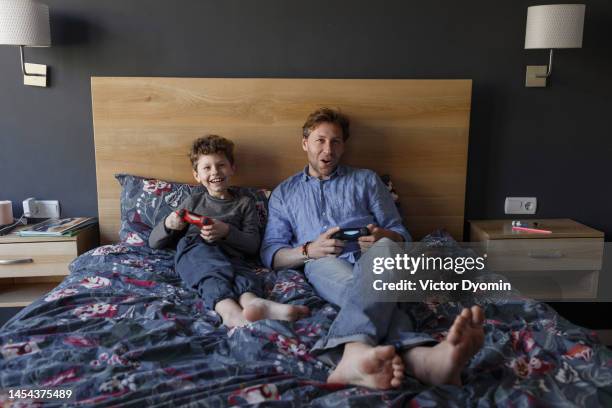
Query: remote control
[
  {"x": 193, "y": 218},
  {"x": 351, "y": 234}
]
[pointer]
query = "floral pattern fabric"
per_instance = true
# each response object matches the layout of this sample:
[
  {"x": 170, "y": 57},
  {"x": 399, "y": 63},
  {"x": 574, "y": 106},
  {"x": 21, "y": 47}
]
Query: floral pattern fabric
[
  {"x": 145, "y": 202},
  {"x": 121, "y": 330}
]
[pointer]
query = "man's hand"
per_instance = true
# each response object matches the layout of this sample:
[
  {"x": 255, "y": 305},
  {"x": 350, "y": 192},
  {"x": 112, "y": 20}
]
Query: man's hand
[
  {"x": 377, "y": 233},
  {"x": 325, "y": 245},
  {"x": 214, "y": 232},
  {"x": 174, "y": 222}
]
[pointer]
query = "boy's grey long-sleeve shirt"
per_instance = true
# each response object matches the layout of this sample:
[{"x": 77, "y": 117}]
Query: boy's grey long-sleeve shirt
[{"x": 239, "y": 212}]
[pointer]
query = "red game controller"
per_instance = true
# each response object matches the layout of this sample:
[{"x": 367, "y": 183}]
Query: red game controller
[{"x": 193, "y": 218}]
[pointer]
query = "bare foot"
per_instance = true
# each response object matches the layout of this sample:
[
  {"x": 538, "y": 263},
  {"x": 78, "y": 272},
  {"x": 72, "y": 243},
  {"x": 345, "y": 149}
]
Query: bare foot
[
  {"x": 233, "y": 318},
  {"x": 442, "y": 364},
  {"x": 375, "y": 367},
  {"x": 259, "y": 309}
]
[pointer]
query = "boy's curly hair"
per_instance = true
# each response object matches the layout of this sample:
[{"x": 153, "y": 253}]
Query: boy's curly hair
[
  {"x": 326, "y": 115},
  {"x": 210, "y": 144}
]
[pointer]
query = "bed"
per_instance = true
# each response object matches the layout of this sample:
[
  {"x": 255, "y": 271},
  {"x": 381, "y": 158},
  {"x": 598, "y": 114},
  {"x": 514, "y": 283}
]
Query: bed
[{"x": 121, "y": 330}]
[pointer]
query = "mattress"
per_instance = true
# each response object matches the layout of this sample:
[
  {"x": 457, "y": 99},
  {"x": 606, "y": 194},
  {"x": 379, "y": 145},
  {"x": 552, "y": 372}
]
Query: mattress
[{"x": 121, "y": 330}]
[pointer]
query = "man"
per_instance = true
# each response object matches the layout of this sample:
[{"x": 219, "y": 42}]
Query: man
[{"x": 304, "y": 212}]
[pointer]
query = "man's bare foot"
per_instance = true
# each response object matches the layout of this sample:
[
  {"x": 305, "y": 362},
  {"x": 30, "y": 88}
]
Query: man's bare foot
[
  {"x": 442, "y": 364},
  {"x": 259, "y": 309},
  {"x": 233, "y": 318},
  {"x": 375, "y": 367}
]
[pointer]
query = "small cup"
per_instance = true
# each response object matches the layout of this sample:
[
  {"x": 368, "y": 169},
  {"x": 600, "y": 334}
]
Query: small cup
[{"x": 6, "y": 212}]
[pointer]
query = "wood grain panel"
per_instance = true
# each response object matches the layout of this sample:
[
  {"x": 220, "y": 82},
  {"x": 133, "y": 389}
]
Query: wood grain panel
[
  {"x": 48, "y": 258},
  {"x": 558, "y": 254},
  {"x": 414, "y": 130}
]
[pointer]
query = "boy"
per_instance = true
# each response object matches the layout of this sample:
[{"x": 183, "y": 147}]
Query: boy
[{"x": 212, "y": 259}]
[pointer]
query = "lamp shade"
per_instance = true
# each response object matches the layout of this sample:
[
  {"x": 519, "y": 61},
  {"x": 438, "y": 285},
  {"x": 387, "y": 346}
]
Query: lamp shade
[
  {"x": 554, "y": 26},
  {"x": 24, "y": 22}
]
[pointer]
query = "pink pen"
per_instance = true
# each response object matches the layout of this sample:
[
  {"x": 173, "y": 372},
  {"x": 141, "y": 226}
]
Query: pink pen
[{"x": 539, "y": 231}]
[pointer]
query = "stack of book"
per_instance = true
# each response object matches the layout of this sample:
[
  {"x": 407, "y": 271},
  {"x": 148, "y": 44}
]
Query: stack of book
[{"x": 55, "y": 227}]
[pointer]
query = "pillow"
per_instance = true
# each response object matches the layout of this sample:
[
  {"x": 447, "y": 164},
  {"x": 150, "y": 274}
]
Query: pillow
[{"x": 146, "y": 201}]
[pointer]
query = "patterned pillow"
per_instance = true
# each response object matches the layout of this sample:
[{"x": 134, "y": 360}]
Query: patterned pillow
[{"x": 146, "y": 202}]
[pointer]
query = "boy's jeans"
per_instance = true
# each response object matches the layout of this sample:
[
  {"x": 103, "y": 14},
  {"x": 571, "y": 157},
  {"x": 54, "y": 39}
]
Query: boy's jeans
[
  {"x": 212, "y": 273},
  {"x": 361, "y": 318}
]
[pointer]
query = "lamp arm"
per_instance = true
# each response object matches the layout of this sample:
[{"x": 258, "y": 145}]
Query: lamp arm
[
  {"x": 23, "y": 70},
  {"x": 549, "y": 71},
  {"x": 22, "y": 63}
]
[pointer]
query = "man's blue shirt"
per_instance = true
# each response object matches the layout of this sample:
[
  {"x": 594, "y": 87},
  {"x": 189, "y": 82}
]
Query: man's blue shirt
[{"x": 303, "y": 207}]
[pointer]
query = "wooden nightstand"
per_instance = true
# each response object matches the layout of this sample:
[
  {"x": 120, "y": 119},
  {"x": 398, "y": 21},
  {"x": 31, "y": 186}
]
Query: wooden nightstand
[
  {"x": 22, "y": 283},
  {"x": 562, "y": 265}
]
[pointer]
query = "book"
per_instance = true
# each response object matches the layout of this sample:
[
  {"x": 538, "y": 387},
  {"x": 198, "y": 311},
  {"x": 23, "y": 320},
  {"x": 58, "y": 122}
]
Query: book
[{"x": 56, "y": 227}]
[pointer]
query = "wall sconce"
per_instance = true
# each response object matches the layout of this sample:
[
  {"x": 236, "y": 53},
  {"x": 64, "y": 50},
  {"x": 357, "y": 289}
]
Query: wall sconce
[
  {"x": 25, "y": 23},
  {"x": 552, "y": 27}
]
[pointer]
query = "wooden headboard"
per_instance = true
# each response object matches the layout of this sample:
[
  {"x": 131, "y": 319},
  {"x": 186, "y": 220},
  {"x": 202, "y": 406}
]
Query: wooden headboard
[{"x": 414, "y": 130}]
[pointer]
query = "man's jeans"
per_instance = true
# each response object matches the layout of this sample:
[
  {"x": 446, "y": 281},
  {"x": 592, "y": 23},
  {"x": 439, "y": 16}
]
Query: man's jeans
[{"x": 361, "y": 318}]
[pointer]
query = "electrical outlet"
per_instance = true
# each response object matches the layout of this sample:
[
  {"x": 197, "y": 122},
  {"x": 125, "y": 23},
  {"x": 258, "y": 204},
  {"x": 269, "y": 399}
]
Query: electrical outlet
[
  {"x": 41, "y": 208},
  {"x": 520, "y": 205},
  {"x": 48, "y": 209}
]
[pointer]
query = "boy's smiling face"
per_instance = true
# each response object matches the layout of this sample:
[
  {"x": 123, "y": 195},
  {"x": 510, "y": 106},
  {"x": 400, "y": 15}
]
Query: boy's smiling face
[{"x": 214, "y": 172}]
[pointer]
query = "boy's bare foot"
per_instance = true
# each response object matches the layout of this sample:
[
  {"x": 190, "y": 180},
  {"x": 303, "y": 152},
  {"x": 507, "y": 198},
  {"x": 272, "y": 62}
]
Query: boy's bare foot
[
  {"x": 442, "y": 364},
  {"x": 375, "y": 367},
  {"x": 259, "y": 309},
  {"x": 234, "y": 318},
  {"x": 231, "y": 313}
]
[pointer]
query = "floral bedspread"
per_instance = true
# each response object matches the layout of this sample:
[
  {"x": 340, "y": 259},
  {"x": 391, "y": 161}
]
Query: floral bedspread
[{"x": 121, "y": 330}]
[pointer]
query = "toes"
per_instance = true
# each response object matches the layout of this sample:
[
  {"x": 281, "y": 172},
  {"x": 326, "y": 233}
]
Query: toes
[
  {"x": 462, "y": 321},
  {"x": 477, "y": 316},
  {"x": 466, "y": 314},
  {"x": 303, "y": 311},
  {"x": 456, "y": 331},
  {"x": 297, "y": 312},
  {"x": 368, "y": 366},
  {"x": 292, "y": 313},
  {"x": 398, "y": 364}
]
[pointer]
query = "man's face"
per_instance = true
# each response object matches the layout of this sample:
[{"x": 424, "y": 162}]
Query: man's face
[
  {"x": 214, "y": 172},
  {"x": 324, "y": 147}
]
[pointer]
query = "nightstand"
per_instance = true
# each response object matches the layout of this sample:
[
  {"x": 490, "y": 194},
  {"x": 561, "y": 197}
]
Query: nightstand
[
  {"x": 562, "y": 265},
  {"x": 32, "y": 266}
]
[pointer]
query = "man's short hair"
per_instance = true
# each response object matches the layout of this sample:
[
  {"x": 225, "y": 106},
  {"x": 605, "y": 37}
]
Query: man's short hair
[
  {"x": 326, "y": 115},
  {"x": 211, "y": 144}
]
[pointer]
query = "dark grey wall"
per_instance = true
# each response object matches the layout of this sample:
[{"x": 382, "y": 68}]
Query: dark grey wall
[{"x": 553, "y": 143}]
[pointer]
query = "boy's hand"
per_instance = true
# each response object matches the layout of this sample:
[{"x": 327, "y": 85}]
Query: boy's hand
[
  {"x": 218, "y": 230},
  {"x": 325, "y": 245},
  {"x": 174, "y": 222}
]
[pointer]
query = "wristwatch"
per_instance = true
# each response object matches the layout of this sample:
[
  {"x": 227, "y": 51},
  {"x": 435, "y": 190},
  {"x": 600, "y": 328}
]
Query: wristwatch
[{"x": 305, "y": 256}]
